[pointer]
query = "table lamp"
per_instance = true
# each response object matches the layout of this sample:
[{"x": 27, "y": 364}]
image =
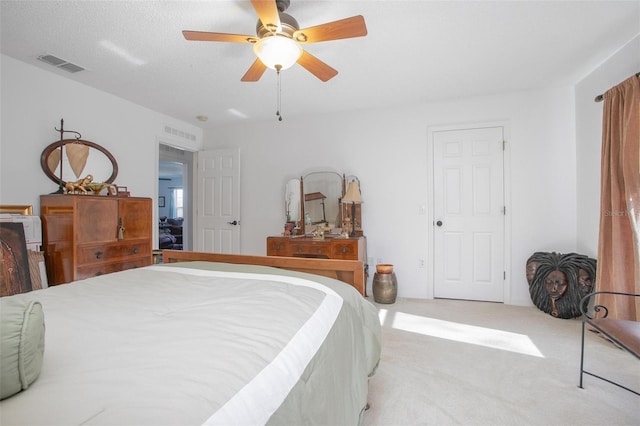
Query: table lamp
[{"x": 353, "y": 196}]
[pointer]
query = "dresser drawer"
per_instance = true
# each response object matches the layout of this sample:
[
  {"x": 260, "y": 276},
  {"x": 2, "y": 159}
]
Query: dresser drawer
[
  {"x": 330, "y": 248},
  {"x": 101, "y": 253},
  {"x": 347, "y": 250},
  {"x": 107, "y": 268},
  {"x": 311, "y": 249},
  {"x": 278, "y": 247}
]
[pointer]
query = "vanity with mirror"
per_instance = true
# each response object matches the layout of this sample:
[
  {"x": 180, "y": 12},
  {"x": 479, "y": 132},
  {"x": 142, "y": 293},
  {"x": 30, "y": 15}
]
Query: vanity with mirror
[
  {"x": 323, "y": 219},
  {"x": 317, "y": 199}
]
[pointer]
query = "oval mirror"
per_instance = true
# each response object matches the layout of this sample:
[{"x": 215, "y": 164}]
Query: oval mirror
[
  {"x": 292, "y": 201},
  {"x": 72, "y": 159},
  {"x": 322, "y": 194}
]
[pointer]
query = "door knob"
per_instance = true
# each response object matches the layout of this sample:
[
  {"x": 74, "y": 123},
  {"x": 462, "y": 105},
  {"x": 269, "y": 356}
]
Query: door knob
[
  {"x": 439, "y": 223},
  {"x": 235, "y": 222}
]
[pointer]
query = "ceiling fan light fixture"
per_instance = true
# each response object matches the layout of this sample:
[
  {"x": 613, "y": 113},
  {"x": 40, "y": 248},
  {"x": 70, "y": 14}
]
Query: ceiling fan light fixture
[{"x": 277, "y": 50}]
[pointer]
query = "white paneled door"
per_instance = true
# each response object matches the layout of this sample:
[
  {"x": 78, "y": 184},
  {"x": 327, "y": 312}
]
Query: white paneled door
[
  {"x": 469, "y": 214},
  {"x": 218, "y": 201}
]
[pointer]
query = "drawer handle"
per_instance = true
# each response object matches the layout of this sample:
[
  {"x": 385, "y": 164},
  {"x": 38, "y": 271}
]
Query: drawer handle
[
  {"x": 343, "y": 249},
  {"x": 99, "y": 255},
  {"x": 299, "y": 249},
  {"x": 319, "y": 250},
  {"x": 121, "y": 229},
  {"x": 135, "y": 250},
  {"x": 278, "y": 246}
]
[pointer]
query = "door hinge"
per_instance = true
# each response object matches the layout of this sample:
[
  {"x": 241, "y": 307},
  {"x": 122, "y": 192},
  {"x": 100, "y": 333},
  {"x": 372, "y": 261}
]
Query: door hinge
[
  {"x": 504, "y": 145},
  {"x": 504, "y": 210},
  {"x": 504, "y": 275}
]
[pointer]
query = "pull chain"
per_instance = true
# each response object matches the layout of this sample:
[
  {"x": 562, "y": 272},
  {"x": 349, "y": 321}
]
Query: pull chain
[{"x": 279, "y": 96}]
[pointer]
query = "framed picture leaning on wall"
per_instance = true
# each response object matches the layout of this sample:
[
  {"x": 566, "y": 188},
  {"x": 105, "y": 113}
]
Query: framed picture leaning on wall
[{"x": 14, "y": 273}]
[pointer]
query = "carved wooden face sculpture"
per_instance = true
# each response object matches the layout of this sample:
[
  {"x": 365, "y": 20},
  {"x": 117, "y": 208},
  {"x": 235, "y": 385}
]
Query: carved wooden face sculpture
[
  {"x": 585, "y": 282},
  {"x": 557, "y": 282}
]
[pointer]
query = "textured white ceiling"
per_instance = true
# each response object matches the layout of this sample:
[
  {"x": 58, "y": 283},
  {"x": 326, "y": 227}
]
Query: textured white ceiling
[{"x": 415, "y": 51}]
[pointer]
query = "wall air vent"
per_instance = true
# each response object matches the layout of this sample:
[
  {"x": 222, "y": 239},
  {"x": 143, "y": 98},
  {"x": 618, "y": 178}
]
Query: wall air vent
[
  {"x": 60, "y": 63},
  {"x": 175, "y": 132}
]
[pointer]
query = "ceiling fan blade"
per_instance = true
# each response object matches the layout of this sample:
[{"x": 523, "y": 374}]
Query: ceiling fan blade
[
  {"x": 316, "y": 67},
  {"x": 344, "y": 28},
  {"x": 255, "y": 71},
  {"x": 206, "y": 36},
  {"x": 268, "y": 13}
]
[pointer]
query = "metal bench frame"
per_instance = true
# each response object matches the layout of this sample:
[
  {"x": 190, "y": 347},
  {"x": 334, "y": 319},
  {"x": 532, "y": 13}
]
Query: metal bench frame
[{"x": 588, "y": 320}]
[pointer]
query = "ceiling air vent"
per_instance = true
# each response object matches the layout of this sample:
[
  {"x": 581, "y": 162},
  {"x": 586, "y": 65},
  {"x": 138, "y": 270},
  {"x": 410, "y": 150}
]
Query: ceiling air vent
[{"x": 60, "y": 63}]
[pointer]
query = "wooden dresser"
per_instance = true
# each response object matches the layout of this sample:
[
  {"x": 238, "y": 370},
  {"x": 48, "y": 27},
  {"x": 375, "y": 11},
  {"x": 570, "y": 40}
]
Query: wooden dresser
[
  {"x": 82, "y": 235},
  {"x": 329, "y": 248}
]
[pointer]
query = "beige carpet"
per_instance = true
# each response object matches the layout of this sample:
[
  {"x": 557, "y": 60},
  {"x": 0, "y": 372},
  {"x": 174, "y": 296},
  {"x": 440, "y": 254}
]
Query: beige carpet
[{"x": 449, "y": 362}]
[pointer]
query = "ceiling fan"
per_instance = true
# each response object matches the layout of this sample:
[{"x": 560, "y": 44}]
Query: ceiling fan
[{"x": 279, "y": 38}]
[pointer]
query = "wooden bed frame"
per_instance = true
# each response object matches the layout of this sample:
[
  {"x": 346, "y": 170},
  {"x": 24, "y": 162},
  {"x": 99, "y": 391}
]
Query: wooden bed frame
[{"x": 349, "y": 271}]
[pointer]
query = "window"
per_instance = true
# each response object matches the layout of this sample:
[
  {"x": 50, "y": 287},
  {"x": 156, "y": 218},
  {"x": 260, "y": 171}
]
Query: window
[{"x": 178, "y": 206}]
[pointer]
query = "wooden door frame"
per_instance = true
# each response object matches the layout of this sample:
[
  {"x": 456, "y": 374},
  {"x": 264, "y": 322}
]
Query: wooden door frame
[
  {"x": 188, "y": 180},
  {"x": 430, "y": 275}
]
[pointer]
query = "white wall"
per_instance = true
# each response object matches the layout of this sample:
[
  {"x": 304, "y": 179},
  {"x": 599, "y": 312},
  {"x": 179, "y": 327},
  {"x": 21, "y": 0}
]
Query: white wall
[
  {"x": 620, "y": 66},
  {"x": 34, "y": 101},
  {"x": 388, "y": 151}
]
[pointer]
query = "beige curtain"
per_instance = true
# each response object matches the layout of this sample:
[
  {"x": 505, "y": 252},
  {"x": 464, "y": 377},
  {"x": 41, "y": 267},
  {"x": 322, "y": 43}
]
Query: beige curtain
[{"x": 619, "y": 240}]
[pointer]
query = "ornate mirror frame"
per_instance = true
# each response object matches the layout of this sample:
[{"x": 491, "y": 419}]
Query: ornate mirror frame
[
  {"x": 58, "y": 145},
  {"x": 316, "y": 194},
  {"x": 292, "y": 203}
]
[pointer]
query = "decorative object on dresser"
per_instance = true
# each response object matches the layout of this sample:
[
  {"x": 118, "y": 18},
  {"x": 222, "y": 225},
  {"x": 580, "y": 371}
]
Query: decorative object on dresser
[
  {"x": 81, "y": 186},
  {"x": 353, "y": 197},
  {"x": 85, "y": 236},
  {"x": 78, "y": 154},
  {"x": 122, "y": 191}
]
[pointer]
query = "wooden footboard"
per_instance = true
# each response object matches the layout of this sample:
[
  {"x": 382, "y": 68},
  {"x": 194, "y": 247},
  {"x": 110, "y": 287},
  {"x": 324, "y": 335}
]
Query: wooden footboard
[{"x": 349, "y": 271}]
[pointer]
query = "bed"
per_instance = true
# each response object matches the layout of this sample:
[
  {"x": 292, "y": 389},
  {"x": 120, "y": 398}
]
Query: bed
[{"x": 204, "y": 339}]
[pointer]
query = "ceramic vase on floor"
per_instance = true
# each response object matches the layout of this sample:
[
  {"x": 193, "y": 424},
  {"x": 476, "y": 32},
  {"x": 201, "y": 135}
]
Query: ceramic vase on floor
[{"x": 385, "y": 284}]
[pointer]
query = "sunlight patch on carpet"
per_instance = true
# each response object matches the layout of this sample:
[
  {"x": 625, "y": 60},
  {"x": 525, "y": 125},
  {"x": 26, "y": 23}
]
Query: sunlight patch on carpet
[{"x": 488, "y": 337}]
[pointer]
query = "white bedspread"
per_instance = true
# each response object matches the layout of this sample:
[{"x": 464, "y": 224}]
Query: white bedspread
[{"x": 164, "y": 345}]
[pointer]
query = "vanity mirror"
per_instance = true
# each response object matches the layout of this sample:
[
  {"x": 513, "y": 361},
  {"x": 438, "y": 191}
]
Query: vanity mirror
[
  {"x": 292, "y": 204},
  {"x": 316, "y": 199},
  {"x": 323, "y": 191}
]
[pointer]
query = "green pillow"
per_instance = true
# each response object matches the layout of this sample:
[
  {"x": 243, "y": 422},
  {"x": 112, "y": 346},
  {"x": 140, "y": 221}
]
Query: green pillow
[{"x": 21, "y": 344}]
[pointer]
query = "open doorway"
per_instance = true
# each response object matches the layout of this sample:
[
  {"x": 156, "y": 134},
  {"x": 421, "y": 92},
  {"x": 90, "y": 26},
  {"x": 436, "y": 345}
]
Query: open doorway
[{"x": 175, "y": 177}]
